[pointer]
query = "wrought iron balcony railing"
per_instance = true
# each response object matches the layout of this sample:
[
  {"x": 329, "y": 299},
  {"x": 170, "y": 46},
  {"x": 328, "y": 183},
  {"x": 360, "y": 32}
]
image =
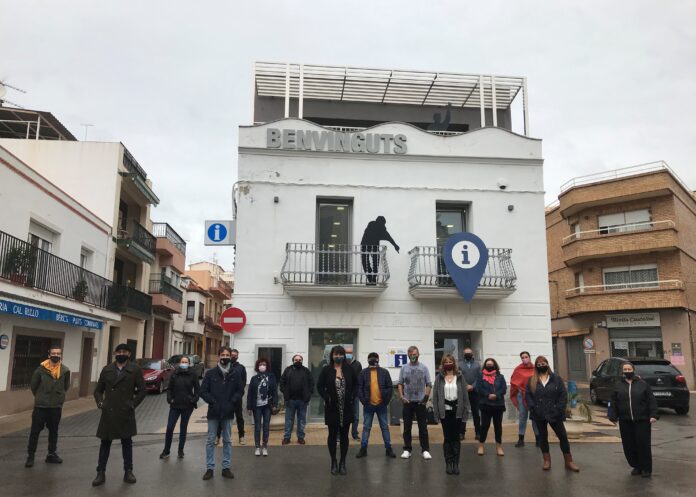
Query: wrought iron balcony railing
[
  {"x": 428, "y": 269},
  {"x": 163, "y": 230},
  {"x": 335, "y": 265},
  {"x": 159, "y": 285},
  {"x": 144, "y": 240},
  {"x": 124, "y": 299}
]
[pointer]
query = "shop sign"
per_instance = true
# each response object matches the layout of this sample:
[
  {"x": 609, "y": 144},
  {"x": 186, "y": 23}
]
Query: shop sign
[
  {"x": 28, "y": 311},
  {"x": 335, "y": 141},
  {"x": 647, "y": 320},
  {"x": 677, "y": 355}
]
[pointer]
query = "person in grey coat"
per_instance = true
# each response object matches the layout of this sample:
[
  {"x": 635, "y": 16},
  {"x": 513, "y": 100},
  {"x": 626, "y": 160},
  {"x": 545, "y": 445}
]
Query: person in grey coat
[
  {"x": 471, "y": 369},
  {"x": 119, "y": 391},
  {"x": 451, "y": 407}
]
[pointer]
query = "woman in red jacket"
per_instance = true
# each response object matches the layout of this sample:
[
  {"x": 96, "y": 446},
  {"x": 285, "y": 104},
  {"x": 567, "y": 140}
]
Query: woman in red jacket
[{"x": 518, "y": 388}]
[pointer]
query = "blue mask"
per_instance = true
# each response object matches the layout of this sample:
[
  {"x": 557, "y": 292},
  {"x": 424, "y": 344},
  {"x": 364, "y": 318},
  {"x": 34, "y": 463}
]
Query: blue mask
[
  {"x": 339, "y": 359},
  {"x": 349, "y": 357},
  {"x": 183, "y": 366}
]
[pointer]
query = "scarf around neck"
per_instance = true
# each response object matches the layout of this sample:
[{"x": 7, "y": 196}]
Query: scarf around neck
[
  {"x": 225, "y": 370},
  {"x": 53, "y": 369},
  {"x": 489, "y": 376},
  {"x": 521, "y": 375}
]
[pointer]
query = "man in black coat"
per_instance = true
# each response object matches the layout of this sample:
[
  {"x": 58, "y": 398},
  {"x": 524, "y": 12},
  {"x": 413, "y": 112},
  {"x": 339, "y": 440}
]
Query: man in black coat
[
  {"x": 297, "y": 385},
  {"x": 222, "y": 388},
  {"x": 239, "y": 407},
  {"x": 119, "y": 391},
  {"x": 375, "y": 232}
]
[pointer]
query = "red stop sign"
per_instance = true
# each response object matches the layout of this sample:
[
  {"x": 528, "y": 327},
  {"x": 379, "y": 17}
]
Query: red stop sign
[{"x": 232, "y": 320}]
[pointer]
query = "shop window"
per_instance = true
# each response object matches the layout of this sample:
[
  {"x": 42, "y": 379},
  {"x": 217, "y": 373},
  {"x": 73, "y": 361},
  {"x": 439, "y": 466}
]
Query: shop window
[
  {"x": 640, "y": 276},
  {"x": 29, "y": 352}
]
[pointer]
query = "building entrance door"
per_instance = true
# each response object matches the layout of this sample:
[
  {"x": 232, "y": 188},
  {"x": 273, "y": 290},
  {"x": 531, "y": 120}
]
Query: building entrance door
[
  {"x": 577, "y": 369},
  {"x": 451, "y": 343},
  {"x": 86, "y": 365},
  {"x": 158, "y": 339}
]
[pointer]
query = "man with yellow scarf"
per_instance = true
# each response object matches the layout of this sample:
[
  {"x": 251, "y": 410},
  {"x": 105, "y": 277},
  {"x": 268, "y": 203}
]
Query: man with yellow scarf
[{"x": 49, "y": 383}]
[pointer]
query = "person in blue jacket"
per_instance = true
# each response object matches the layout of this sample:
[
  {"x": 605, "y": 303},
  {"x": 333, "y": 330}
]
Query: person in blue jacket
[
  {"x": 222, "y": 388},
  {"x": 491, "y": 388},
  {"x": 262, "y": 401}
]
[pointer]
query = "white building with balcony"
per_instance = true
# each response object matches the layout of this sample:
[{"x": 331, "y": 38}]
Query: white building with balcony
[{"x": 332, "y": 149}]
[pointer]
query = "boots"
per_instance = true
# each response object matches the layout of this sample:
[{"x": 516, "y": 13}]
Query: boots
[
  {"x": 547, "y": 461},
  {"x": 100, "y": 479},
  {"x": 569, "y": 464},
  {"x": 129, "y": 477},
  {"x": 342, "y": 467},
  {"x": 520, "y": 442},
  {"x": 481, "y": 450},
  {"x": 447, "y": 451},
  {"x": 456, "y": 449},
  {"x": 499, "y": 450},
  {"x": 334, "y": 467}
]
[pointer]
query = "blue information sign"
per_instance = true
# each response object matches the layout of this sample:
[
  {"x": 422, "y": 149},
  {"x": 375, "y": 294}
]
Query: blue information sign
[
  {"x": 28, "y": 311},
  {"x": 466, "y": 257}
]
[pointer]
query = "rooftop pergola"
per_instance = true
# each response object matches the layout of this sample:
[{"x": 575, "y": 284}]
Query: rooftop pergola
[
  {"x": 31, "y": 124},
  {"x": 389, "y": 86}
]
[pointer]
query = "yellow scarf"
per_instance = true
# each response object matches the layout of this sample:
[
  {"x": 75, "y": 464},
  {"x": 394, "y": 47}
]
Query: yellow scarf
[{"x": 54, "y": 370}]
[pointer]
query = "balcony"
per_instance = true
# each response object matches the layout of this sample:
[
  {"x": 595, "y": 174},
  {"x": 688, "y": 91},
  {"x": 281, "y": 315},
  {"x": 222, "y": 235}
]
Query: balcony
[
  {"x": 165, "y": 296},
  {"x": 138, "y": 242},
  {"x": 137, "y": 179},
  {"x": 622, "y": 240},
  {"x": 127, "y": 300},
  {"x": 170, "y": 246},
  {"x": 212, "y": 326},
  {"x": 24, "y": 264},
  {"x": 428, "y": 277},
  {"x": 334, "y": 270},
  {"x": 660, "y": 294},
  {"x": 221, "y": 289}
]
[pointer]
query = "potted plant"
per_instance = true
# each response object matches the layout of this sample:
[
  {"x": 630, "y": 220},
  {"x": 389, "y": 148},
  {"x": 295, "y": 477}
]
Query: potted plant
[
  {"x": 18, "y": 263},
  {"x": 576, "y": 416},
  {"x": 80, "y": 290}
]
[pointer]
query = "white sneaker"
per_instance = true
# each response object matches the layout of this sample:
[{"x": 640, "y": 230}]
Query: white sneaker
[
  {"x": 257, "y": 452},
  {"x": 242, "y": 441},
  {"x": 405, "y": 455},
  {"x": 426, "y": 455},
  {"x": 264, "y": 452}
]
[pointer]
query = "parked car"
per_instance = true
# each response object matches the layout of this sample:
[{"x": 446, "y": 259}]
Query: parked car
[
  {"x": 156, "y": 373},
  {"x": 666, "y": 381},
  {"x": 196, "y": 367}
]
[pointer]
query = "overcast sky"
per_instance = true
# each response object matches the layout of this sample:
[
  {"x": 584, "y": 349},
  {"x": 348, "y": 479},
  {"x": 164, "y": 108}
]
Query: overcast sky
[{"x": 611, "y": 84}]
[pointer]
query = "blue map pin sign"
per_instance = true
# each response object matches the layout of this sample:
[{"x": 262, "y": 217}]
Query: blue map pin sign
[{"x": 466, "y": 257}]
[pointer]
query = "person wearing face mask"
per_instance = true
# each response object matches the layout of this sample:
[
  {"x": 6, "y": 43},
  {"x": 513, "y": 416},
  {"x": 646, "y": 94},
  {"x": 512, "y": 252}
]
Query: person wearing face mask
[
  {"x": 49, "y": 383},
  {"x": 471, "y": 370},
  {"x": 414, "y": 388},
  {"x": 182, "y": 397},
  {"x": 546, "y": 399},
  {"x": 119, "y": 391},
  {"x": 491, "y": 388},
  {"x": 221, "y": 388},
  {"x": 518, "y": 386},
  {"x": 262, "y": 401},
  {"x": 357, "y": 367},
  {"x": 239, "y": 406},
  {"x": 451, "y": 407},
  {"x": 297, "y": 386},
  {"x": 337, "y": 386},
  {"x": 375, "y": 389},
  {"x": 634, "y": 407}
]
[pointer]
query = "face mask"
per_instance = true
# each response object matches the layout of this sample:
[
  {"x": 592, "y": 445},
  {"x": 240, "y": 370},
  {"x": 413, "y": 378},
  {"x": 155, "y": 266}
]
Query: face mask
[
  {"x": 262, "y": 369},
  {"x": 413, "y": 358},
  {"x": 55, "y": 359},
  {"x": 121, "y": 358},
  {"x": 526, "y": 360},
  {"x": 629, "y": 375},
  {"x": 339, "y": 359},
  {"x": 468, "y": 357},
  {"x": 373, "y": 362},
  {"x": 490, "y": 367},
  {"x": 225, "y": 361},
  {"x": 183, "y": 367},
  {"x": 448, "y": 367},
  {"x": 233, "y": 359},
  {"x": 349, "y": 357},
  {"x": 542, "y": 369},
  {"x": 298, "y": 364}
]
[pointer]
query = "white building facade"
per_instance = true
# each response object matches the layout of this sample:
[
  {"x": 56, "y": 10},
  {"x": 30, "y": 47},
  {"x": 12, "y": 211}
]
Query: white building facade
[{"x": 310, "y": 183}]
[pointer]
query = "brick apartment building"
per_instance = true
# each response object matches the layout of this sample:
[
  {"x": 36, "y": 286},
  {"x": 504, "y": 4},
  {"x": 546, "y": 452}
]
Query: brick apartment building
[{"x": 622, "y": 269}]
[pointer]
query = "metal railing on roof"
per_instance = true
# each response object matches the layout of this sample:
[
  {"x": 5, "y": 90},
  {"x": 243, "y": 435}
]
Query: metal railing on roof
[
  {"x": 628, "y": 286},
  {"x": 163, "y": 230},
  {"x": 624, "y": 172},
  {"x": 132, "y": 165}
]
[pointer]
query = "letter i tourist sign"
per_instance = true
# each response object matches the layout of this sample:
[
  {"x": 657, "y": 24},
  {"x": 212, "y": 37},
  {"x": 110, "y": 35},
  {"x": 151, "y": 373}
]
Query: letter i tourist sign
[{"x": 232, "y": 320}]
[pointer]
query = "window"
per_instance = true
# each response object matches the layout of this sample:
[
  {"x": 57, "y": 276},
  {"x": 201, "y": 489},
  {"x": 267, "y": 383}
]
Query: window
[
  {"x": 86, "y": 259},
  {"x": 619, "y": 278},
  {"x": 624, "y": 221},
  {"x": 334, "y": 227},
  {"x": 201, "y": 311},
  {"x": 41, "y": 237},
  {"x": 190, "y": 310},
  {"x": 579, "y": 282},
  {"x": 29, "y": 352},
  {"x": 449, "y": 219}
]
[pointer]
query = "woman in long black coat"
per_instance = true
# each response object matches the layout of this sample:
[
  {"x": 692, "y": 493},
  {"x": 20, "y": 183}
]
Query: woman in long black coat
[{"x": 338, "y": 386}]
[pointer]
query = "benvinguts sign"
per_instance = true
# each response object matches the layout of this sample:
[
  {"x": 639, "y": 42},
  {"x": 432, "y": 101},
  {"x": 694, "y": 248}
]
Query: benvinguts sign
[{"x": 334, "y": 141}]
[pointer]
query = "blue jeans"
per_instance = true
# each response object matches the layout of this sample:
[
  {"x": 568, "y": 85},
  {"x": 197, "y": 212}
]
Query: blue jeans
[
  {"x": 226, "y": 443},
  {"x": 356, "y": 417},
  {"x": 292, "y": 407},
  {"x": 171, "y": 423},
  {"x": 262, "y": 417},
  {"x": 523, "y": 414},
  {"x": 369, "y": 412}
]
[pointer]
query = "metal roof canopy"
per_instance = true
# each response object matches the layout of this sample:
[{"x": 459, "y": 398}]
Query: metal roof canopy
[
  {"x": 387, "y": 86},
  {"x": 36, "y": 124}
]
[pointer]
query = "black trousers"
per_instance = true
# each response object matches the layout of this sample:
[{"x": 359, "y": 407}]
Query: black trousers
[
  {"x": 370, "y": 252},
  {"x": 450, "y": 430},
  {"x": 559, "y": 429},
  {"x": 636, "y": 441},
  {"x": 126, "y": 450},
  {"x": 338, "y": 434},
  {"x": 416, "y": 409},
  {"x": 475, "y": 413},
  {"x": 488, "y": 415},
  {"x": 50, "y": 418}
]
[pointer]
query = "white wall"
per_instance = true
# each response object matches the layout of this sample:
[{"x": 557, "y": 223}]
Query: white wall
[{"x": 404, "y": 189}]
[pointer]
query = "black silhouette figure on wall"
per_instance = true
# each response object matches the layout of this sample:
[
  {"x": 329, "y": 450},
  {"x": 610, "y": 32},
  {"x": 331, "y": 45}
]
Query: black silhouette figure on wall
[
  {"x": 375, "y": 232},
  {"x": 440, "y": 124}
]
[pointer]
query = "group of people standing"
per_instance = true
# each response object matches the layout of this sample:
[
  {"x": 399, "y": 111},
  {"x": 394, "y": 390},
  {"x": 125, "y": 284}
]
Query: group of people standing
[{"x": 459, "y": 389}]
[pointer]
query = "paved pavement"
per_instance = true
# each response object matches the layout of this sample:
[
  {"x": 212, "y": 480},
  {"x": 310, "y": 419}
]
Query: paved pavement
[{"x": 303, "y": 471}]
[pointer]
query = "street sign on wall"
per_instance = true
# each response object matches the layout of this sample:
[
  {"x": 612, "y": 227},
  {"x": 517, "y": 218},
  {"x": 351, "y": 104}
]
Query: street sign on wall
[
  {"x": 220, "y": 233},
  {"x": 232, "y": 320}
]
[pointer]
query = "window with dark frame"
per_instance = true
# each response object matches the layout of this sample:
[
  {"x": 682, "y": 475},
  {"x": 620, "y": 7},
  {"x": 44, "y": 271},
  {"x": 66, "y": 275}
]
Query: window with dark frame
[
  {"x": 190, "y": 310},
  {"x": 29, "y": 353}
]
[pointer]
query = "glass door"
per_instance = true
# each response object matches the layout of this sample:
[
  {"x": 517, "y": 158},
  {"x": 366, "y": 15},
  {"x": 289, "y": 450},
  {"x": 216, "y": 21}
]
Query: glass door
[{"x": 333, "y": 249}]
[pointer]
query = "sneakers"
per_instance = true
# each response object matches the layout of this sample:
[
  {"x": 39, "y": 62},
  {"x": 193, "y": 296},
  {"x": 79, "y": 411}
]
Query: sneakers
[
  {"x": 100, "y": 479},
  {"x": 257, "y": 452},
  {"x": 227, "y": 473},
  {"x": 390, "y": 453},
  {"x": 406, "y": 454},
  {"x": 264, "y": 452},
  {"x": 129, "y": 477},
  {"x": 181, "y": 454},
  {"x": 361, "y": 453},
  {"x": 30, "y": 461},
  {"x": 635, "y": 472},
  {"x": 426, "y": 455},
  {"x": 164, "y": 454},
  {"x": 242, "y": 441},
  {"x": 287, "y": 441},
  {"x": 208, "y": 474},
  {"x": 300, "y": 441},
  {"x": 53, "y": 458}
]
